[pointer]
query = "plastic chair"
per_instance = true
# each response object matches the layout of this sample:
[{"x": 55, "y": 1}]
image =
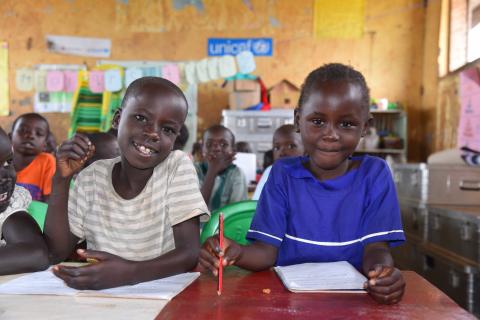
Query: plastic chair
[
  {"x": 237, "y": 219},
  {"x": 38, "y": 210}
]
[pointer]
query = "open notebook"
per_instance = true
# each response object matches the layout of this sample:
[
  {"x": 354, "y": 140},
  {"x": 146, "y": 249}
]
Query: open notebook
[
  {"x": 46, "y": 283},
  {"x": 338, "y": 276}
]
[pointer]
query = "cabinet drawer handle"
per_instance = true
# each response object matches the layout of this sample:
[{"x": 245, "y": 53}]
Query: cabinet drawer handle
[{"x": 469, "y": 185}]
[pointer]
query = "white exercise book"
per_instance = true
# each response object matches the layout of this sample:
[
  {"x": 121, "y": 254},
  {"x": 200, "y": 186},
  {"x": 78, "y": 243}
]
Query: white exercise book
[
  {"x": 46, "y": 283},
  {"x": 338, "y": 276}
]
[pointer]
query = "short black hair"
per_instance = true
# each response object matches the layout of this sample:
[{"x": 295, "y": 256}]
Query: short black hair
[
  {"x": 31, "y": 115},
  {"x": 267, "y": 159},
  {"x": 135, "y": 88},
  {"x": 335, "y": 72},
  {"x": 286, "y": 129},
  {"x": 182, "y": 138},
  {"x": 217, "y": 128},
  {"x": 243, "y": 146}
]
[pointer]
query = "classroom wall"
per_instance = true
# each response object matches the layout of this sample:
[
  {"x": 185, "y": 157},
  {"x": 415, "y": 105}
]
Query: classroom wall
[{"x": 391, "y": 53}]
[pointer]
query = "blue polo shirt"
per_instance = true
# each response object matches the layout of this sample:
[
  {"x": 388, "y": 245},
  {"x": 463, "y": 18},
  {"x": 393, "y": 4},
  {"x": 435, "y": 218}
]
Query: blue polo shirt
[{"x": 324, "y": 221}]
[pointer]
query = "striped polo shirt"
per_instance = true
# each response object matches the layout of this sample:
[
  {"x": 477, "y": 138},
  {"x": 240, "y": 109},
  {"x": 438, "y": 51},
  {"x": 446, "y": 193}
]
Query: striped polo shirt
[
  {"x": 325, "y": 221},
  {"x": 140, "y": 228}
]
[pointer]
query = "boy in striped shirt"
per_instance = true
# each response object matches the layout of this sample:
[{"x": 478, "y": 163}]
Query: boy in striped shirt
[{"x": 139, "y": 212}]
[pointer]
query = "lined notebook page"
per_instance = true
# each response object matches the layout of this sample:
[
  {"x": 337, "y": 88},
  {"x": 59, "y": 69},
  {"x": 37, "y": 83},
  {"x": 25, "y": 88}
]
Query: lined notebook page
[
  {"x": 319, "y": 277},
  {"x": 46, "y": 283}
]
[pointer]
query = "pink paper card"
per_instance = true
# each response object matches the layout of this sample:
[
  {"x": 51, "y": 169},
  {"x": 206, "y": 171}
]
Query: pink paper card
[
  {"x": 96, "y": 81},
  {"x": 171, "y": 72},
  {"x": 71, "y": 81},
  {"x": 469, "y": 127},
  {"x": 55, "y": 81}
]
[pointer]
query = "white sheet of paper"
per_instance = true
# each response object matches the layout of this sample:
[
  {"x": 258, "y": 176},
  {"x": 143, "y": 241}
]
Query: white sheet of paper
[
  {"x": 245, "y": 62},
  {"x": 227, "y": 66},
  {"x": 46, "y": 283},
  {"x": 324, "y": 276},
  {"x": 202, "y": 70},
  {"x": 248, "y": 163},
  {"x": 24, "y": 79},
  {"x": 191, "y": 73},
  {"x": 212, "y": 67}
]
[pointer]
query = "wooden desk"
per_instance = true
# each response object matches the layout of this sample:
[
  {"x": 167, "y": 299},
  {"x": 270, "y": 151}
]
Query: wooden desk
[{"x": 243, "y": 298}]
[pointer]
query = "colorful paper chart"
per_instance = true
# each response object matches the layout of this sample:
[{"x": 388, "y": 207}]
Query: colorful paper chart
[
  {"x": 245, "y": 62},
  {"x": 71, "y": 81},
  {"x": 171, "y": 72},
  {"x": 4, "y": 97},
  {"x": 55, "y": 81},
  {"x": 190, "y": 72},
  {"x": 132, "y": 74},
  {"x": 40, "y": 80},
  {"x": 202, "y": 70},
  {"x": 24, "y": 79},
  {"x": 113, "y": 80},
  {"x": 212, "y": 67},
  {"x": 227, "y": 67},
  {"x": 96, "y": 81}
]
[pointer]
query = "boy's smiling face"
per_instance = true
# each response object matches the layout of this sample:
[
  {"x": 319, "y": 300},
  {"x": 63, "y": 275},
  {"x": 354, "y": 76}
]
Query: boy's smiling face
[
  {"x": 29, "y": 136},
  {"x": 331, "y": 122},
  {"x": 7, "y": 171},
  {"x": 149, "y": 124}
]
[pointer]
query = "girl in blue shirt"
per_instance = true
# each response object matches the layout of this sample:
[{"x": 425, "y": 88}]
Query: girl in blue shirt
[{"x": 327, "y": 206}]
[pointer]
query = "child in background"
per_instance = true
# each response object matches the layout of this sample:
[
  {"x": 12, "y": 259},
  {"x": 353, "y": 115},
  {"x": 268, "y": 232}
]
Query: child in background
[
  {"x": 286, "y": 143},
  {"x": 51, "y": 146},
  {"x": 138, "y": 212},
  {"x": 267, "y": 159},
  {"x": 35, "y": 168},
  {"x": 221, "y": 181},
  {"x": 243, "y": 146},
  {"x": 327, "y": 206},
  {"x": 22, "y": 248},
  {"x": 197, "y": 152}
]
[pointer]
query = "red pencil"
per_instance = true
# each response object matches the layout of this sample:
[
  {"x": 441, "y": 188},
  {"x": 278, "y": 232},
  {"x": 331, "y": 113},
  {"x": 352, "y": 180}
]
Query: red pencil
[{"x": 220, "y": 268}]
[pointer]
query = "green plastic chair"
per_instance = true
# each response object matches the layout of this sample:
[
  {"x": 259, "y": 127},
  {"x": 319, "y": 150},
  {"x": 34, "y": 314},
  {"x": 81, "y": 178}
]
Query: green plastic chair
[
  {"x": 38, "y": 210},
  {"x": 237, "y": 218}
]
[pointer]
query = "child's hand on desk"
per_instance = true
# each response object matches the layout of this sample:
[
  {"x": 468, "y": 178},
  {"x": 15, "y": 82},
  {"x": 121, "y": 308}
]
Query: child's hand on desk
[
  {"x": 385, "y": 284},
  {"x": 219, "y": 162},
  {"x": 107, "y": 272},
  {"x": 72, "y": 154},
  {"x": 211, "y": 252}
]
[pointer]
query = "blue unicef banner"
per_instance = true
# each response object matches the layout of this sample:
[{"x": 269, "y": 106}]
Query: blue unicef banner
[{"x": 233, "y": 46}]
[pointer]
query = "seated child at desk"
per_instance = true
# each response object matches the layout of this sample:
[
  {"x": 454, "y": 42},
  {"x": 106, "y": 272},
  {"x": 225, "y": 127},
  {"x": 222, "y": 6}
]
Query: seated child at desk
[
  {"x": 138, "y": 212},
  {"x": 221, "y": 181},
  {"x": 22, "y": 248},
  {"x": 326, "y": 206},
  {"x": 286, "y": 143},
  {"x": 35, "y": 167}
]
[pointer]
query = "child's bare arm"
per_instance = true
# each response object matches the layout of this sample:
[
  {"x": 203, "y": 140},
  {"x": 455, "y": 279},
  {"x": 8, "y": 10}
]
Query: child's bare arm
[
  {"x": 112, "y": 271},
  {"x": 386, "y": 283},
  {"x": 25, "y": 250},
  {"x": 256, "y": 256},
  {"x": 71, "y": 156}
]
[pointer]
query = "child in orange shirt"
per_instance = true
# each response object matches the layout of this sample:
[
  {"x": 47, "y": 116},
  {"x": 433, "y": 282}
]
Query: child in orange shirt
[{"x": 35, "y": 168}]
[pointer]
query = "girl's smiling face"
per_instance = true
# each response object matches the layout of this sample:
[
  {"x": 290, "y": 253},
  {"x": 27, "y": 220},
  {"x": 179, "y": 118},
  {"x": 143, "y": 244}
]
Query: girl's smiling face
[
  {"x": 7, "y": 171},
  {"x": 331, "y": 122}
]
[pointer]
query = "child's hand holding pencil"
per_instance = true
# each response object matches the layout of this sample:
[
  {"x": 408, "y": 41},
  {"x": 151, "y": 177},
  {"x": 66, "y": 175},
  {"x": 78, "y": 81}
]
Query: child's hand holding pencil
[{"x": 211, "y": 252}]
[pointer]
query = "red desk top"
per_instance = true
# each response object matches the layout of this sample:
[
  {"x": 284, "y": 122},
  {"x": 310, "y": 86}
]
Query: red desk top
[{"x": 243, "y": 298}]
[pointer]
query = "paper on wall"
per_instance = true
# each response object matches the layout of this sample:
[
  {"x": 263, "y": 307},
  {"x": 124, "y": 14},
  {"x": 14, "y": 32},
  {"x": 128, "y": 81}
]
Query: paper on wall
[
  {"x": 79, "y": 46},
  {"x": 202, "y": 71},
  {"x": 245, "y": 62},
  {"x": 40, "y": 80},
  {"x": 113, "y": 80},
  {"x": 96, "y": 81},
  {"x": 4, "y": 79},
  {"x": 55, "y": 81},
  {"x": 212, "y": 67},
  {"x": 468, "y": 134},
  {"x": 71, "y": 81},
  {"x": 226, "y": 66},
  {"x": 171, "y": 72},
  {"x": 24, "y": 79},
  {"x": 247, "y": 162},
  {"x": 132, "y": 74},
  {"x": 190, "y": 72},
  {"x": 152, "y": 71}
]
